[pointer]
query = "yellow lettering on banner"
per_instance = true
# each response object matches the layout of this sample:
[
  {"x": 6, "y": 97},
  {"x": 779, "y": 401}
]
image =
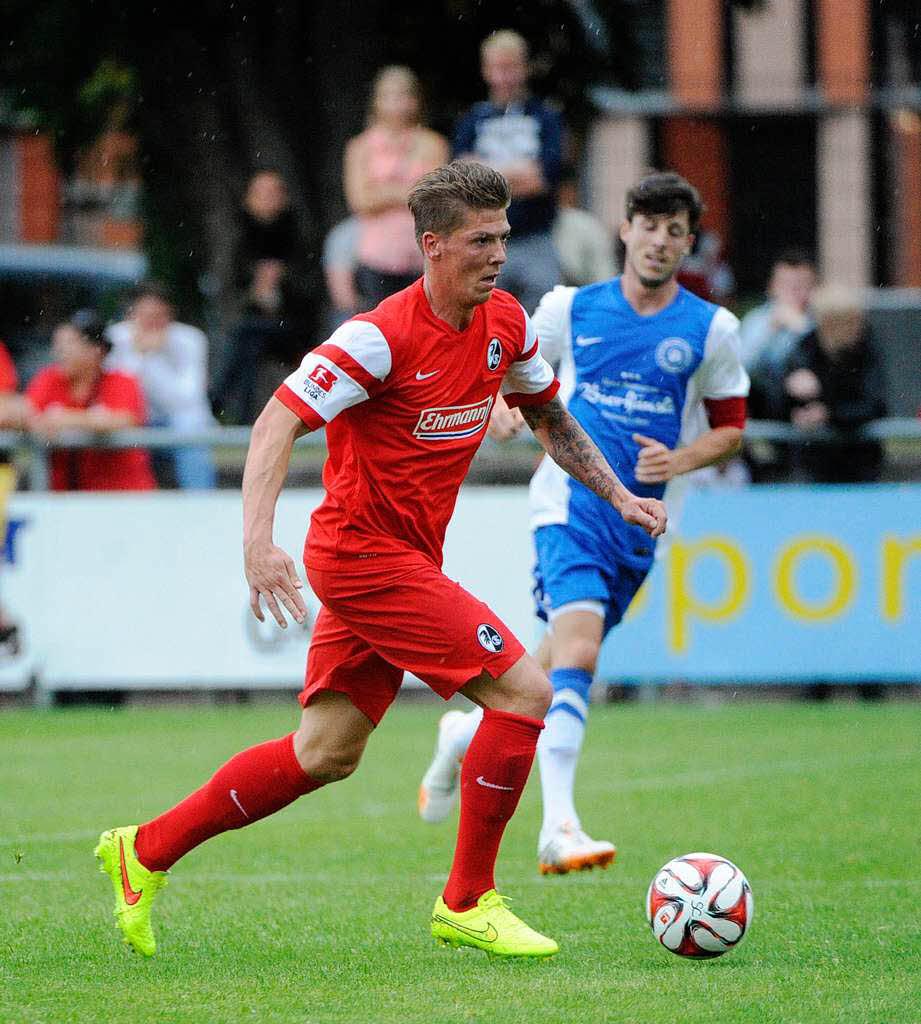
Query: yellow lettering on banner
[
  {"x": 640, "y": 600},
  {"x": 896, "y": 552},
  {"x": 843, "y": 591},
  {"x": 683, "y": 605}
]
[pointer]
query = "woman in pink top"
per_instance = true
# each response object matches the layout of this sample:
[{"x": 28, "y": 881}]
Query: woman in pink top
[{"x": 381, "y": 165}]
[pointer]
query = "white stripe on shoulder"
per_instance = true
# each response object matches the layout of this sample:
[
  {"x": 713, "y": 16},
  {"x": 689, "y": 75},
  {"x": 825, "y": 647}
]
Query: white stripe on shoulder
[
  {"x": 720, "y": 374},
  {"x": 552, "y": 322},
  {"x": 325, "y": 386},
  {"x": 366, "y": 344}
]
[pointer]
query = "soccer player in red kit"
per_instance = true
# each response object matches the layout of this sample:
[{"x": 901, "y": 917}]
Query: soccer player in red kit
[{"x": 405, "y": 393}]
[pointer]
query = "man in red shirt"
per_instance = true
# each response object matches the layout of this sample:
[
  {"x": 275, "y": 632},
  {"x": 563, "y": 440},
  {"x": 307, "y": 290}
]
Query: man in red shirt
[
  {"x": 405, "y": 393},
  {"x": 76, "y": 393}
]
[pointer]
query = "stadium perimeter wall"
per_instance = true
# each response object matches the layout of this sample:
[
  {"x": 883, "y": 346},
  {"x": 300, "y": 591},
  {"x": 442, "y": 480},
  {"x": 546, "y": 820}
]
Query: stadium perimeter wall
[{"x": 763, "y": 584}]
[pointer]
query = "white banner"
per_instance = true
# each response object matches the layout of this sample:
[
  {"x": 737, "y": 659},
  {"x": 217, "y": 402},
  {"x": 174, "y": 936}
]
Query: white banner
[{"x": 147, "y": 591}]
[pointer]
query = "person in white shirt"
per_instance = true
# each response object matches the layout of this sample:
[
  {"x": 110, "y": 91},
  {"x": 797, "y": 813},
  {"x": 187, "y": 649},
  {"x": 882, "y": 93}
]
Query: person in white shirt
[{"x": 170, "y": 360}]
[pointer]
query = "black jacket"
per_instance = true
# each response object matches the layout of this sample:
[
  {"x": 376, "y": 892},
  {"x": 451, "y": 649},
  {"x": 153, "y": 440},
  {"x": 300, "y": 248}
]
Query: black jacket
[{"x": 853, "y": 389}]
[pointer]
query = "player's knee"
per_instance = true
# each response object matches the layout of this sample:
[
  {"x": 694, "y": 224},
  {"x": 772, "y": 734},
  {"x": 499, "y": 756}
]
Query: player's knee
[
  {"x": 327, "y": 764},
  {"x": 541, "y": 692}
]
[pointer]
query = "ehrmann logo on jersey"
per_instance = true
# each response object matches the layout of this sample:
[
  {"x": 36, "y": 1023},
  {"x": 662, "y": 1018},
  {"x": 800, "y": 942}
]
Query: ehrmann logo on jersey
[
  {"x": 494, "y": 354},
  {"x": 449, "y": 422}
]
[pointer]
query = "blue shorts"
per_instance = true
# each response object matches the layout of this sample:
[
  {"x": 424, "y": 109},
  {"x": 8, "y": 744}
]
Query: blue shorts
[{"x": 569, "y": 569}]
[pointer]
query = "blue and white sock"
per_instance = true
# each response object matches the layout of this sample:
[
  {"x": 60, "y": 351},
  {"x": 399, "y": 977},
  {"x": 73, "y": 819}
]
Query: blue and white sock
[{"x": 559, "y": 746}]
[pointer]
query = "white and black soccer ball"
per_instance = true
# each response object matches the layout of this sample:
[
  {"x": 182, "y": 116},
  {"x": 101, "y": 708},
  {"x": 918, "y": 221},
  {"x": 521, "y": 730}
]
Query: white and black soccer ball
[{"x": 699, "y": 905}]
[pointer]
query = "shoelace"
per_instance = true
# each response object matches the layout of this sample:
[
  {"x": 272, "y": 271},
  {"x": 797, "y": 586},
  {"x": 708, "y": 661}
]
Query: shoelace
[{"x": 510, "y": 922}]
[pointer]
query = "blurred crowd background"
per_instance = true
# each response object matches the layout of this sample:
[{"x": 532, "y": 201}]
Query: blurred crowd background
[{"x": 190, "y": 200}]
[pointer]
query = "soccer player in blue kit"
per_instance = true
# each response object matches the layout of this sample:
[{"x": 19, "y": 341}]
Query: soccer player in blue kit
[{"x": 653, "y": 374}]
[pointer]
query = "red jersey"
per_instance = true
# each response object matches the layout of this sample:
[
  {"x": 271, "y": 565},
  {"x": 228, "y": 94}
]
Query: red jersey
[
  {"x": 89, "y": 469},
  {"x": 407, "y": 399},
  {"x": 9, "y": 380}
]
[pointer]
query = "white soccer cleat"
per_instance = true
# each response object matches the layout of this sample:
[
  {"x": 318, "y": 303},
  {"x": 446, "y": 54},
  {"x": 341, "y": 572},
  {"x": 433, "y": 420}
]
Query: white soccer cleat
[
  {"x": 570, "y": 849},
  {"x": 440, "y": 785}
]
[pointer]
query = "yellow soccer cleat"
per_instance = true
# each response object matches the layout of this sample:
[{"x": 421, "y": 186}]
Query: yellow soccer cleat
[
  {"x": 490, "y": 926},
  {"x": 135, "y": 887}
]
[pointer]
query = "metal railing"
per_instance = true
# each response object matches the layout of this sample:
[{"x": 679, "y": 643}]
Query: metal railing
[{"x": 35, "y": 452}]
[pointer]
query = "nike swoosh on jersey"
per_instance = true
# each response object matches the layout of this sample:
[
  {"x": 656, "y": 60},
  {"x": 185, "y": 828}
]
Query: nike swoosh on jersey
[
  {"x": 492, "y": 785},
  {"x": 487, "y": 934},
  {"x": 422, "y": 376},
  {"x": 131, "y": 896},
  {"x": 582, "y": 341}
]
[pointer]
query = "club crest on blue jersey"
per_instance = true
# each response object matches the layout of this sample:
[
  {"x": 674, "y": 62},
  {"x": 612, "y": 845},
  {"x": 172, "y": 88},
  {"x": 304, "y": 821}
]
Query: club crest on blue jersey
[
  {"x": 674, "y": 355},
  {"x": 494, "y": 354}
]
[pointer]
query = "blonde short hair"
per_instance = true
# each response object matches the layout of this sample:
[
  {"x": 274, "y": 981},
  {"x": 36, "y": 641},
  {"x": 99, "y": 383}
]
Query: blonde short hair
[
  {"x": 440, "y": 200},
  {"x": 504, "y": 39}
]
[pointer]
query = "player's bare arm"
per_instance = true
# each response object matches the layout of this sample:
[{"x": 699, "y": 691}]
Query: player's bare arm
[
  {"x": 573, "y": 450},
  {"x": 657, "y": 463},
  {"x": 270, "y": 572}
]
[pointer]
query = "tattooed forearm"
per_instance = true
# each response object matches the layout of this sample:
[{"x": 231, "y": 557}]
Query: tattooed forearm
[{"x": 571, "y": 448}]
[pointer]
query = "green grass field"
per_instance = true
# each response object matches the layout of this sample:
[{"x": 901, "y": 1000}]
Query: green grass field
[{"x": 320, "y": 914}]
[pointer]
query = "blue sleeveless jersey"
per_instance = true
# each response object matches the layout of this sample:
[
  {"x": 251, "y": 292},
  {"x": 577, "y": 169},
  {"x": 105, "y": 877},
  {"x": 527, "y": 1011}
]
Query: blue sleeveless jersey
[{"x": 624, "y": 374}]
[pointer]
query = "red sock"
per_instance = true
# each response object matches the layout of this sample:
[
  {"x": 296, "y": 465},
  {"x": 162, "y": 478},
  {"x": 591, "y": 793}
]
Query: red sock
[
  {"x": 493, "y": 775},
  {"x": 251, "y": 785}
]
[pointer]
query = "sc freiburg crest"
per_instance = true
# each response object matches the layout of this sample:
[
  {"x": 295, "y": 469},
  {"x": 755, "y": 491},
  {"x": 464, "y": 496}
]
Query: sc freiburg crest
[
  {"x": 489, "y": 637},
  {"x": 494, "y": 354}
]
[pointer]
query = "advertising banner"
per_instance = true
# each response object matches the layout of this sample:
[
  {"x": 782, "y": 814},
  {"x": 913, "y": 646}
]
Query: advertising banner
[{"x": 765, "y": 584}]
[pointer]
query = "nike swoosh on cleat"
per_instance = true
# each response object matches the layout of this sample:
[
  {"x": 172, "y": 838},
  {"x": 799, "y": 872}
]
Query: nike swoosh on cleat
[
  {"x": 233, "y": 796},
  {"x": 583, "y": 341},
  {"x": 492, "y": 785},
  {"x": 423, "y": 376},
  {"x": 487, "y": 934},
  {"x": 131, "y": 897}
]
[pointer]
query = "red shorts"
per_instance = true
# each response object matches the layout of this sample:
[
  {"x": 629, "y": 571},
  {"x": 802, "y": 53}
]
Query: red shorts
[{"x": 380, "y": 619}]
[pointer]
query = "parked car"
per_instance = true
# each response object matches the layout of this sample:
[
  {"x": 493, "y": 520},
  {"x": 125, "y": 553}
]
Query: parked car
[{"x": 40, "y": 285}]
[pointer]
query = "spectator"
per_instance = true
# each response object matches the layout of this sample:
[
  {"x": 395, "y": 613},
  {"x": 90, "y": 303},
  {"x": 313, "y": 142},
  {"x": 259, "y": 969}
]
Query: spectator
[
  {"x": 12, "y": 405},
  {"x": 170, "y": 361},
  {"x": 584, "y": 245},
  {"x": 77, "y": 393},
  {"x": 12, "y": 415},
  {"x": 520, "y": 136},
  {"x": 834, "y": 378},
  {"x": 267, "y": 297},
  {"x": 381, "y": 165},
  {"x": 770, "y": 331},
  {"x": 339, "y": 258},
  {"x": 705, "y": 271}
]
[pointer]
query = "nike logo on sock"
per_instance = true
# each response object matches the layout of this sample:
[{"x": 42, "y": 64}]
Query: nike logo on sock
[
  {"x": 233, "y": 796},
  {"x": 131, "y": 896},
  {"x": 492, "y": 785}
]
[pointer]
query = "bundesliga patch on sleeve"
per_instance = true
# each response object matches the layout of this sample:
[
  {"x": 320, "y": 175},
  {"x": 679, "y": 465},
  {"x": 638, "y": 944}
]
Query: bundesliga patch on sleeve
[{"x": 319, "y": 383}]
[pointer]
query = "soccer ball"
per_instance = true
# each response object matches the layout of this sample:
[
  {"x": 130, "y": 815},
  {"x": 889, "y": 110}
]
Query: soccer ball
[{"x": 699, "y": 905}]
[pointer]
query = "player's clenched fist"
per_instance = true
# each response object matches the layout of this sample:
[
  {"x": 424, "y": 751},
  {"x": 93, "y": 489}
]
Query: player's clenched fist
[
  {"x": 646, "y": 512},
  {"x": 270, "y": 573}
]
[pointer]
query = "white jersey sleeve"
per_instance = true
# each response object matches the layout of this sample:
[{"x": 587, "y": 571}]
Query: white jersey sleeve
[
  {"x": 345, "y": 370},
  {"x": 721, "y": 374},
  {"x": 530, "y": 379},
  {"x": 553, "y": 324}
]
